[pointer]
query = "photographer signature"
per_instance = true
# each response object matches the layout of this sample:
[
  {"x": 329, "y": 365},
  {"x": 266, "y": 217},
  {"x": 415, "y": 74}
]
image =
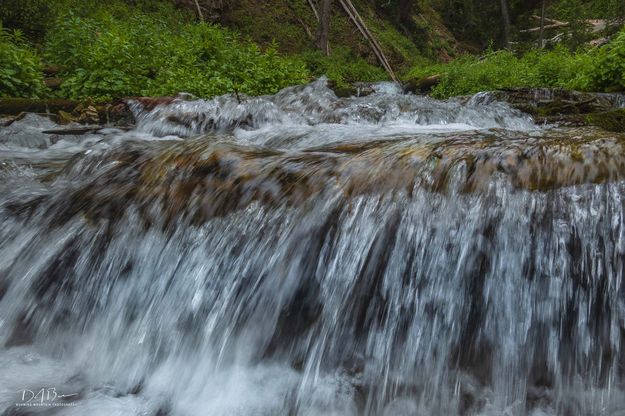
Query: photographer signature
[{"x": 45, "y": 397}]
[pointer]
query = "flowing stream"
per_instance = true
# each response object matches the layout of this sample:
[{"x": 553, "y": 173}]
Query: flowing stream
[{"x": 301, "y": 254}]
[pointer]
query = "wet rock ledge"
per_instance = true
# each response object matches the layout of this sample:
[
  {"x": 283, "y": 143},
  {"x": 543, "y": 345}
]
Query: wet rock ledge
[
  {"x": 568, "y": 108},
  {"x": 63, "y": 111},
  {"x": 547, "y": 105}
]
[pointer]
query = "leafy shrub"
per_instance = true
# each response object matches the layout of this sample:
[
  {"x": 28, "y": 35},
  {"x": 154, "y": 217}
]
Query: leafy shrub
[
  {"x": 608, "y": 71},
  {"x": 598, "y": 70},
  {"x": 207, "y": 60},
  {"x": 20, "y": 69},
  {"x": 118, "y": 51},
  {"x": 468, "y": 75}
]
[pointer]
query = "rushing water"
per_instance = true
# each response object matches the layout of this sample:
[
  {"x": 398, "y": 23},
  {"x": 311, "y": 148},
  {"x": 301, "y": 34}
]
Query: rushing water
[{"x": 301, "y": 254}]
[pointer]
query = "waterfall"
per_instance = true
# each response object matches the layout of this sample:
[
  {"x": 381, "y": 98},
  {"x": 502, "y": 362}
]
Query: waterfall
[{"x": 301, "y": 254}]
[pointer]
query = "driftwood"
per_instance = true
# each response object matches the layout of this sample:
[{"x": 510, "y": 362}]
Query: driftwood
[{"x": 364, "y": 30}]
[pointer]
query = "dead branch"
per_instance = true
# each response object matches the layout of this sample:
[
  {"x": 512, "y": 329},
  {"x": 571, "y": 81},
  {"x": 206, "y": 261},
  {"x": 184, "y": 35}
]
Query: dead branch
[
  {"x": 199, "y": 11},
  {"x": 548, "y": 20},
  {"x": 314, "y": 9},
  {"x": 364, "y": 30},
  {"x": 552, "y": 26}
]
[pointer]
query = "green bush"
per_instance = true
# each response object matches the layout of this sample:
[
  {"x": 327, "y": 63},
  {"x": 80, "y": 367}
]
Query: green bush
[
  {"x": 120, "y": 51},
  {"x": 608, "y": 70},
  {"x": 20, "y": 69},
  {"x": 207, "y": 60},
  {"x": 468, "y": 75},
  {"x": 600, "y": 69}
]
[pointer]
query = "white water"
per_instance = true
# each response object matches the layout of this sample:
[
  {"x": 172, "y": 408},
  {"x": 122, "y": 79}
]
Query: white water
[{"x": 274, "y": 275}]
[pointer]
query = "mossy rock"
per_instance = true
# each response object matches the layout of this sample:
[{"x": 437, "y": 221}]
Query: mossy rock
[
  {"x": 422, "y": 85},
  {"x": 545, "y": 102},
  {"x": 610, "y": 120},
  {"x": 558, "y": 107},
  {"x": 356, "y": 89}
]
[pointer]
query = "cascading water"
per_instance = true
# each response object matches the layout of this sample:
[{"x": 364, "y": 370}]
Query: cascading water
[{"x": 302, "y": 254}]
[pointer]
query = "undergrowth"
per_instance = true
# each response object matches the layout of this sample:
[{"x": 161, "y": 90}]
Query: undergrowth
[
  {"x": 20, "y": 68},
  {"x": 601, "y": 69},
  {"x": 114, "y": 52}
]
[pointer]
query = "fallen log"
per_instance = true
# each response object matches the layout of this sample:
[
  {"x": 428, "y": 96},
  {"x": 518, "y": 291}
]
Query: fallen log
[{"x": 15, "y": 106}]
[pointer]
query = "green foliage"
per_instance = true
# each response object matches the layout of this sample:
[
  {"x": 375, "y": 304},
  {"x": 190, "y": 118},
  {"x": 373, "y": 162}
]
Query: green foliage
[
  {"x": 608, "y": 70},
  {"x": 28, "y": 16},
  {"x": 117, "y": 51},
  {"x": 596, "y": 70},
  {"x": 342, "y": 67},
  {"x": 400, "y": 50},
  {"x": 20, "y": 69}
]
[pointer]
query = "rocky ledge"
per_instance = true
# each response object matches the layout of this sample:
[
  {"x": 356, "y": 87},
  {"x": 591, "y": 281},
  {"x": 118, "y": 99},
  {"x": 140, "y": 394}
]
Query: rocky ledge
[
  {"x": 568, "y": 108},
  {"x": 547, "y": 105}
]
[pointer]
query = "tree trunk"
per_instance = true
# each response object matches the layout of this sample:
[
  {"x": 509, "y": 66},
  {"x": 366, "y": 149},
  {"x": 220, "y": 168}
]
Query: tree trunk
[
  {"x": 541, "y": 38},
  {"x": 505, "y": 14},
  {"x": 323, "y": 32}
]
